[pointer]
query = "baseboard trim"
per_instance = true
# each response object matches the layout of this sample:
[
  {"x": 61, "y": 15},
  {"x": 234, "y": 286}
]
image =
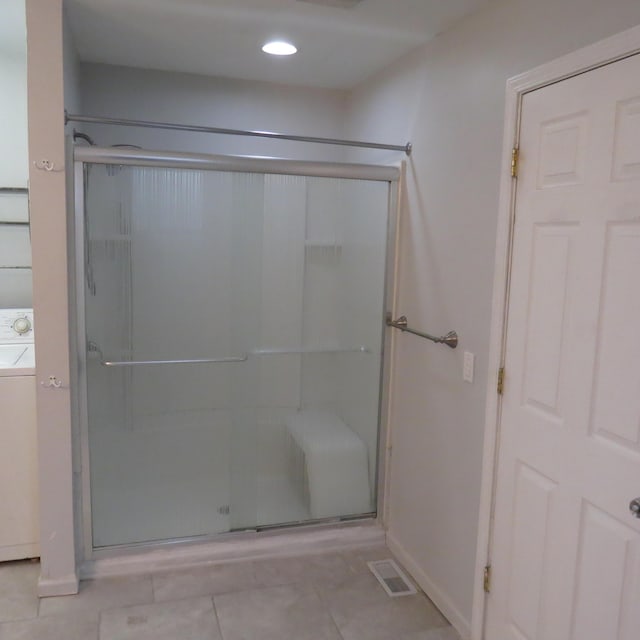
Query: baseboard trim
[
  {"x": 19, "y": 551},
  {"x": 64, "y": 586},
  {"x": 439, "y": 598},
  {"x": 250, "y": 547}
]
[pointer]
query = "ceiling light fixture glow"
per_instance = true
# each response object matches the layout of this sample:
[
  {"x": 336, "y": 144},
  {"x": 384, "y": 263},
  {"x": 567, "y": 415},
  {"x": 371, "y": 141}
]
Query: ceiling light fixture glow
[{"x": 279, "y": 48}]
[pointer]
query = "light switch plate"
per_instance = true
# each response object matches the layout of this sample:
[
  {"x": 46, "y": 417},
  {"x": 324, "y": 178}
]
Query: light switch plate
[{"x": 467, "y": 368}]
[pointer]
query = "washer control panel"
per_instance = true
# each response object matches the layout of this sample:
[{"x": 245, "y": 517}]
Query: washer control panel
[{"x": 16, "y": 325}]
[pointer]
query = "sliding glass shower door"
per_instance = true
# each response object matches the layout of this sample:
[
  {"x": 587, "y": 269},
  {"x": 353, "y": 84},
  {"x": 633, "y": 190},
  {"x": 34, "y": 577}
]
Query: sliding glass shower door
[{"x": 233, "y": 325}]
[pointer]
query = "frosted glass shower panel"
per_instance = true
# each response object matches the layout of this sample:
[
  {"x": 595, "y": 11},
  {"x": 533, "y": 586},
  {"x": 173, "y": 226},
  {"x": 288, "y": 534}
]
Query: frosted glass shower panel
[
  {"x": 345, "y": 266},
  {"x": 234, "y": 326},
  {"x": 172, "y": 275}
]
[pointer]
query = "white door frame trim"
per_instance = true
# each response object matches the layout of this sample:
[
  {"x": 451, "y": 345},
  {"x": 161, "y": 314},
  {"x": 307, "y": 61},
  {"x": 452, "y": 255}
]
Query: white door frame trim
[{"x": 591, "y": 57}]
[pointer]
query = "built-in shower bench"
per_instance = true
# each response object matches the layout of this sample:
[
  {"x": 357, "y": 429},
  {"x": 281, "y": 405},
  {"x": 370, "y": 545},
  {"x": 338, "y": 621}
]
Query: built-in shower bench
[{"x": 330, "y": 463}]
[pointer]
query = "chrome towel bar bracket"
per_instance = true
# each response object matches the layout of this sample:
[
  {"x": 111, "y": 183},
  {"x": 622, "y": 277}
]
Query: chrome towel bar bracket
[{"x": 450, "y": 339}]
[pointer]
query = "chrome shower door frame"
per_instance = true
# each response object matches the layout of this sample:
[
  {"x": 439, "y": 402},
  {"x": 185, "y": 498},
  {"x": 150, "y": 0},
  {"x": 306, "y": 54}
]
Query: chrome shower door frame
[{"x": 83, "y": 156}]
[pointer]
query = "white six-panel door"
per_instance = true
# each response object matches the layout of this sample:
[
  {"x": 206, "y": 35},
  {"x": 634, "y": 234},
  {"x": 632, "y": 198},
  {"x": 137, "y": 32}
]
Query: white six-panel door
[{"x": 566, "y": 549}]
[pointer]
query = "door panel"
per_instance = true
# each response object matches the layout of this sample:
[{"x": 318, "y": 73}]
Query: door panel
[
  {"x": 277, "y": 282},
  {"x": 533, "y": 495},
  {"x": 616, "y": 398},
  {"x": 565, "y": 546},
  {"x": 607, "y": 562},
  {"x": 546, "y": 319}
]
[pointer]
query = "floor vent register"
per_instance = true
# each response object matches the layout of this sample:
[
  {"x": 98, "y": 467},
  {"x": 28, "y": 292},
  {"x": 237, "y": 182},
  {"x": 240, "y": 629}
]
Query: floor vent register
[{"x": 392, "y": 578}]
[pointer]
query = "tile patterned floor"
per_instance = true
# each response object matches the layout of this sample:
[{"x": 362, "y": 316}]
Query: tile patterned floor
[{"x": 331, "y": 596}]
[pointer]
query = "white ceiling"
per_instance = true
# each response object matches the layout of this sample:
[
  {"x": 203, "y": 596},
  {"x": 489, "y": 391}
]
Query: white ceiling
[{"x": 338, "y": 47}]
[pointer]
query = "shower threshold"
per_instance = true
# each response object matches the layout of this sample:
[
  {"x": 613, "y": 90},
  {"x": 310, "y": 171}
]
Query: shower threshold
[{"x": 269, "y": 542}]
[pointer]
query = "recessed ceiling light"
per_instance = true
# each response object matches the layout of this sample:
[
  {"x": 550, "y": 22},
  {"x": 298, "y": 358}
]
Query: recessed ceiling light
[{"x": 279, "y": 48}]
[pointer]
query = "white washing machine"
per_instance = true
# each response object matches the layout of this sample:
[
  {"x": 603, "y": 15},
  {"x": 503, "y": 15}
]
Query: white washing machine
[
  {"x": 19, "y": 534},
  {"x": 16, "y": 340}
]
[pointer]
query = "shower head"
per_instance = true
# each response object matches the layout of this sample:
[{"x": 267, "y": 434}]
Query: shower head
[{"x": 83, "y": 136}]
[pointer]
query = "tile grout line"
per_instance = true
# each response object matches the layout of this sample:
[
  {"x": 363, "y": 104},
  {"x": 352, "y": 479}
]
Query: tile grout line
[
  {"x": 153, "y": 589},
  {"x": 215, "y": 613},
  {"x": 213, "y": 605},
  {"x": 327, "y": 609},
  {"x": 98, "y": 634},
  {"x": 335, "y": 624}
]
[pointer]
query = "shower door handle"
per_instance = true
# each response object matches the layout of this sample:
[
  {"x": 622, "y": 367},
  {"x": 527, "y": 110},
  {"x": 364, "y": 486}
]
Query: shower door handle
[
  {"x": 93, "y": 347},
  {"x": 137, "y": 363}
]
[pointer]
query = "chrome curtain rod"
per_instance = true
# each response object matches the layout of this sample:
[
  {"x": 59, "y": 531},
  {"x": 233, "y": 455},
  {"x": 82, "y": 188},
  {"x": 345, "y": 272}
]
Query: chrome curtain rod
[
  {"x": 451, "y": 339},
  {"x": 146, "y": 124}
]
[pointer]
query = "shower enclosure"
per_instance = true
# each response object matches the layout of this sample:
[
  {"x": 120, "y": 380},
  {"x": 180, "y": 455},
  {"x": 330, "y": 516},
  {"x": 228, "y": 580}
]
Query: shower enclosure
[{"x": 231, "y": 331}]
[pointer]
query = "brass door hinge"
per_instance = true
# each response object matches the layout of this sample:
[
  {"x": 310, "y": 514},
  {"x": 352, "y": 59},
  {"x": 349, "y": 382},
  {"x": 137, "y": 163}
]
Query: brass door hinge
[
  {"x": 500, "y": 380},
  {"x": 487, "y": 579},
  {"x": 515, "y": 158}
]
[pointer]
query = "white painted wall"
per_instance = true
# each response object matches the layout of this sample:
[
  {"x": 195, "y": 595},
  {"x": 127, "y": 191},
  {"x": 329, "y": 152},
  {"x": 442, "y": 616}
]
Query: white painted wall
[
  {"x": 15, "y": 246},
  {"x": 219, "y": 102},
  {"x": 448, "y": 98},
  {"x": 14, "y": 165},
  {"x": 71, "y": 69}
]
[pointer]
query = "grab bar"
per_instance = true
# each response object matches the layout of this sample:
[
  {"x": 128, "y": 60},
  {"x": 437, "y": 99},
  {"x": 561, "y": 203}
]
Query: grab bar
[{"x": 450, "y": 339}]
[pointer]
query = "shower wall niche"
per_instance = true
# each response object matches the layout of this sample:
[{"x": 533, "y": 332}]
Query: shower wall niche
[{"x": 234, "y": 326}]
